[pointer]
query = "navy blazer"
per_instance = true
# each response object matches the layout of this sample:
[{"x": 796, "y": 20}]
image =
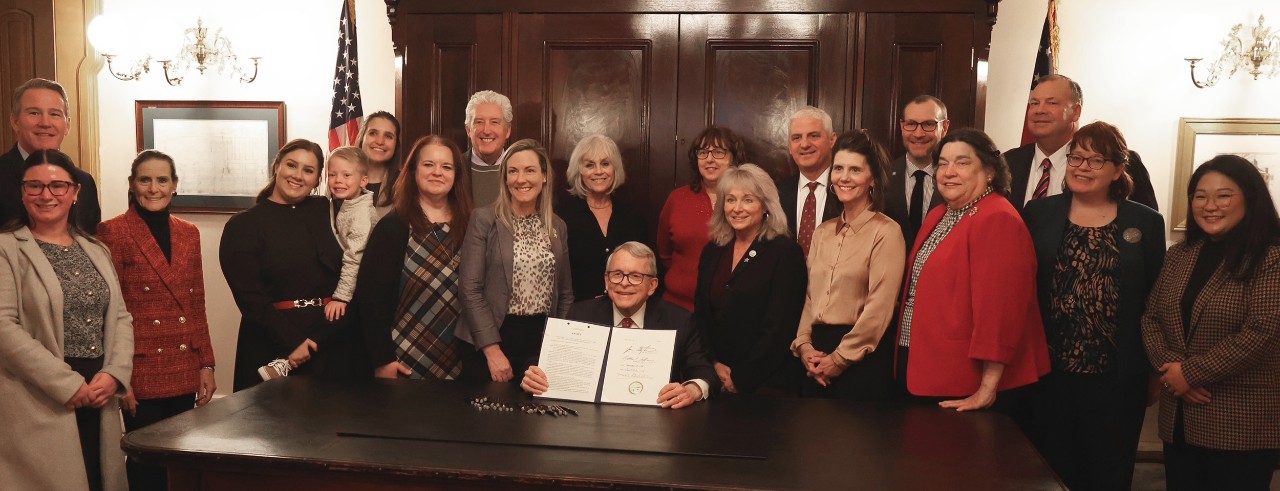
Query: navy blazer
[
  {"x": 895, "y": 200},
  {"x": 787, "y": 189},
  {"x": 753, "y": 329},
  {"x": 1140, "y": 263},
  {"x": 1019, "y": 160},
  {"x": 12, "y": 167},
  {"x": 690, "y": 359}
]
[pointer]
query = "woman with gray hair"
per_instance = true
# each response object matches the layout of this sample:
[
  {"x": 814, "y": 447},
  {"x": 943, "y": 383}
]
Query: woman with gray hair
[
  {"x": 751, "y": 287},
  {"x": 596, "y": 222}
]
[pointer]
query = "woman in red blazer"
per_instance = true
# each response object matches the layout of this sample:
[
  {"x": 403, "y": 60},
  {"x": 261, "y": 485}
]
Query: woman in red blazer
[
  {"x": 158, "y": 259},
  {"x": 971, "y": 325}
]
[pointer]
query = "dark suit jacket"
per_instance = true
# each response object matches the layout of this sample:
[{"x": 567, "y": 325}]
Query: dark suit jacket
[
  {"x": 1140, "y": 263},
  {"x": 787, "y": 195},
  {"x": 88, "y": 211},
  {"x": 690, "y": 359},
  {"x": 752, "y": 331},
  {"x": 1233, "y": 351},
  {"x": 1019, "y": 160},
  {"x": 895, "y": 199}
]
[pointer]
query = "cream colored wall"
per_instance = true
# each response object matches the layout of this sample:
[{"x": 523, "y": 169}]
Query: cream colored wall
[
  {"x": 1128, "y": 57},
  {"x": 298, "y": 41}
]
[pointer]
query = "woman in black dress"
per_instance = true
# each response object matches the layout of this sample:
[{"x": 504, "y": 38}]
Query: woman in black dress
[
  {"x": 597, "y": 222},
  {"x": 281, "y": 261}
]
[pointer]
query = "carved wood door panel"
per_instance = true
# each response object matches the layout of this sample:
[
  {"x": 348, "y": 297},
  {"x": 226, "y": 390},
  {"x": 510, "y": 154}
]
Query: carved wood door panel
[
  {"x": 579, "y": 74},
  {"x": 911, "y": 58},
  {"x": 749, "y": 72}
]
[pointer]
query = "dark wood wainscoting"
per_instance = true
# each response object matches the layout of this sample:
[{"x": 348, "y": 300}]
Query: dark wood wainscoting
[{"x": 653, "y": 74}]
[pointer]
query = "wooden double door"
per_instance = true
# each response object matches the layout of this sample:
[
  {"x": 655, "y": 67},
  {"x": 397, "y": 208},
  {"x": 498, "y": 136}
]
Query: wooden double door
[{"x": 653, "y": 81}]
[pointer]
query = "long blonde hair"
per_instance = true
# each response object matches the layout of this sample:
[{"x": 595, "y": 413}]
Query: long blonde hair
[
  {"x": 756, "y": 182},
  {"x": 502, "y": 207}
]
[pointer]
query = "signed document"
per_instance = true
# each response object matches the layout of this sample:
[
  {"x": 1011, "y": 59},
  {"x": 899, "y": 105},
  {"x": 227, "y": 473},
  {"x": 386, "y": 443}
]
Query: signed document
[
  {"x": 639, "y": 365},
  {"x": 572, "y": 356}
]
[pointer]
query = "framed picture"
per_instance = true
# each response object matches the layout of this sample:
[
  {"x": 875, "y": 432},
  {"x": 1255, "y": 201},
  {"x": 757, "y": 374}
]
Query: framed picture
[
  {"x": 222, "y": 149},
  {"x": 1199, "y": 140}
]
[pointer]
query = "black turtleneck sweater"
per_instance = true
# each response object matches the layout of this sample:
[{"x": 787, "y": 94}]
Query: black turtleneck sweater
[{"x": 158, "y": 222}]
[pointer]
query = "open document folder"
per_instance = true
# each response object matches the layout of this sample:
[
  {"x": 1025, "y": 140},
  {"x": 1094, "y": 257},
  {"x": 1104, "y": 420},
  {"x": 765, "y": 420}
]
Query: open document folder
[{"x": 594, "y": 363}]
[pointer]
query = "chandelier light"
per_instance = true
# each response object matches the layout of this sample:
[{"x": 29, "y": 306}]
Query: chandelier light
[{"x": 1257, "y": 55}]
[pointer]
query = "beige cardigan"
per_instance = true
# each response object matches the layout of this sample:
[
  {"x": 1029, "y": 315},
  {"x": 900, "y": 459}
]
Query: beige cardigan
[{"x": 39, "y": 443}]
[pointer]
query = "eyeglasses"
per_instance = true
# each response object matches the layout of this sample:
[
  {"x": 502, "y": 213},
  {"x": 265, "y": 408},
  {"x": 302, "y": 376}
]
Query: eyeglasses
[
  {"x": 1221, "y": 200},
  {"x": 714, "y": 152},
  {"x": 1095, "y": 163},
  {"x": 930, "y": 125},
  {"x": 616, "y": 277},
  {"x": 56, "y": 188}
]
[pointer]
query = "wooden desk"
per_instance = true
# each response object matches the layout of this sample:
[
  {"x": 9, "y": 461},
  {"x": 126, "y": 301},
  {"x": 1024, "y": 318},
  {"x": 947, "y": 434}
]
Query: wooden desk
[{"x": 298, "y": 433}]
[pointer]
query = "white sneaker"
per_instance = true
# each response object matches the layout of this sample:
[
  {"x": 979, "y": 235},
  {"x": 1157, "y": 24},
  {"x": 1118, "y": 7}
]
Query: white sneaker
[{"x": 278, "y": 367}]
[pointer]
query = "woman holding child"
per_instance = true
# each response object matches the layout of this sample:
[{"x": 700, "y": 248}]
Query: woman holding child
[
  {"x": 409, "y": 277},
  {"x": 282, "y": 262}
]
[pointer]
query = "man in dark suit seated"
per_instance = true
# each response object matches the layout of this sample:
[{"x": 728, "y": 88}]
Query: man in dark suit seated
[
  {"x": 631, "y": 278},
  {"x": 40, "y": 121},
  {"x": 1039, "y": 168}
]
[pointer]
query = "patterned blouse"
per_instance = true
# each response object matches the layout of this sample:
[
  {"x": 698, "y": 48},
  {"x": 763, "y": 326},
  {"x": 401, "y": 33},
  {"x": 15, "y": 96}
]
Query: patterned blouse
[
  {"x": 949, "y": 221},
  {"x": 429, "y": 307},
  {"x": 533, "y": 268},
  {"x": 1083, "y": 301},
  {"x": 85, "y": 296}
]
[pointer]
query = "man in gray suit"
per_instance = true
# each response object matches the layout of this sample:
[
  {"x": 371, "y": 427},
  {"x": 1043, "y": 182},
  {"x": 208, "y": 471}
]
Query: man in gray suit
[
  {"x": 489, "y": 117},
  {"x": 912, "y": 188}
]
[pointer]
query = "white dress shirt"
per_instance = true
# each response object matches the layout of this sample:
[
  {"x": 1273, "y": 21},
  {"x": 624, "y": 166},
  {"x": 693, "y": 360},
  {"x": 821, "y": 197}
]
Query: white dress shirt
[
  {"x": 930, "y": 183},
  {"x": 1057, "y": 174},
  {"x": 819, "y": 195}
]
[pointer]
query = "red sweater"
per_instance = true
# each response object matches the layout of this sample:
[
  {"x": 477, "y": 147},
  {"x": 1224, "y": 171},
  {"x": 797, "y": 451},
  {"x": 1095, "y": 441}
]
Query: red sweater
[
  {"x": 166, "y": 299},
  {"x": 682, "y": 233},
  {"x": 976, "y": 301}
]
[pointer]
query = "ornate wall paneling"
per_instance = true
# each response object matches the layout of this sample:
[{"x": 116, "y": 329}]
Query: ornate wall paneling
[
  {"x": 26, "y": 26},
  {"x": 916, "y": 54},
  {"x": 652, "y": 74},
  {"x": 579, "y": 74}
]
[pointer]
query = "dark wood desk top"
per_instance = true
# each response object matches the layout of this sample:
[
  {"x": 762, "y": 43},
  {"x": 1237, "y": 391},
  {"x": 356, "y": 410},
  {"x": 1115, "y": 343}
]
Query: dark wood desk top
[{"x": 427, "y": 431}]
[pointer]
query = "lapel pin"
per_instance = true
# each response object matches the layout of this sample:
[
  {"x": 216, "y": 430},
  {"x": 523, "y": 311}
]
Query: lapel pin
[{"x": 1132, "y": 235}]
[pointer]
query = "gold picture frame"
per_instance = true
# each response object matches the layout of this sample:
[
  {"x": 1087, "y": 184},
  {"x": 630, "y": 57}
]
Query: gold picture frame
[{"x": 1200, "y": 139}]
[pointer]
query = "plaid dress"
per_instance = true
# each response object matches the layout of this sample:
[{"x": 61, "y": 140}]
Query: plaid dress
[{"x": 429, "y": 307}]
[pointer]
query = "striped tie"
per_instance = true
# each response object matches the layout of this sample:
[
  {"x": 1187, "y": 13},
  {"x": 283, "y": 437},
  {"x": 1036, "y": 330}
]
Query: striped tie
[{"x": 1042, "y": 187}]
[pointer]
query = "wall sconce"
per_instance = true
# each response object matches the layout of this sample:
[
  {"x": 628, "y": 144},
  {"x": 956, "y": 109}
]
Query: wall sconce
[
  {"x": 199, "y": 51},
  {"x": 1256, "y": 55}
]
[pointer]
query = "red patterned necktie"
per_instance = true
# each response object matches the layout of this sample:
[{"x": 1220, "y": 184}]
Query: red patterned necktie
[
  {"x": 1042, "y": 187},
  {"x": 628, "y": 323},
  {"x": 808, "y": 219}
]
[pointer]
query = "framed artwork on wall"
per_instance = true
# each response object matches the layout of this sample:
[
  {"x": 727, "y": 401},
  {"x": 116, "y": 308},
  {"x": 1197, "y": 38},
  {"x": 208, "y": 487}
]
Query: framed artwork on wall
[
  {"x": 222, "y": 149},
  {"x": 1257, "y": 140}
]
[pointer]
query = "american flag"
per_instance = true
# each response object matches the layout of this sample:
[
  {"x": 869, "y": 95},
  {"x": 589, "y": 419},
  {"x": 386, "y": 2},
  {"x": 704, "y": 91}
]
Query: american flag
[
  {"x": 345, "y": 118},
  {"x": 1046, "y": 58}
]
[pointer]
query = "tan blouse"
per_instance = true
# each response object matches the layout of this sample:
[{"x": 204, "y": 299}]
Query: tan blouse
[{"x": 855, "y": 272}]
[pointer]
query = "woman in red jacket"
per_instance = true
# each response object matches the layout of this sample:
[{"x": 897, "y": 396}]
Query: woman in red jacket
[
  {"x": 971, "y": 327},
  {"x": 158, "y": 259}
]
